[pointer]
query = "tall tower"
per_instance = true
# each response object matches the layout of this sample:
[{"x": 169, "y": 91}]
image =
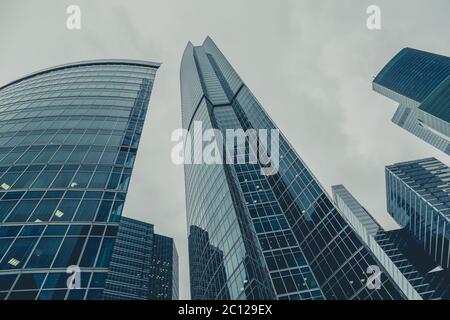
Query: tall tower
[
  {"x": 420, "y": 82},
  {"x": 257, "y": 236},
  {"x": 68, "y": 141}
]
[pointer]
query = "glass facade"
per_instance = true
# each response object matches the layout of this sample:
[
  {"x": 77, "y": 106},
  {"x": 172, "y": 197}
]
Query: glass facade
[
  {"x": 406, "y": 118},
  {"x": 420, "y": 82},
  {"x": 396, "y": 252},
  {"x": 68, "y": 140},
  {"x": 418, "y": 197},
  {"x": 164, "y": 269},
  {"x": 253, "y": 236},
  {"x": 144, "y": 265}
]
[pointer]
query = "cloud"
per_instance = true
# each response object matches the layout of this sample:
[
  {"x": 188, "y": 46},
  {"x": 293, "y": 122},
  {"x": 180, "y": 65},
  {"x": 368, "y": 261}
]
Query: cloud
[{"x": 310, "y": 64}]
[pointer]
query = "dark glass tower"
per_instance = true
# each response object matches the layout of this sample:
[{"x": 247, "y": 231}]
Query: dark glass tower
[
  {"x": 418, "y": 197},
  {"x": 397, "y": 254},
  {"x": 68, "y": 140},
  {"x": 420, "y": 82},
  {"x": 144, "y": 265},
  {"x": 253, "y": 236}
]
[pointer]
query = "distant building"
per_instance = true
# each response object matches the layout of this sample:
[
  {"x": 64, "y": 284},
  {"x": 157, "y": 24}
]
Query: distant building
[
  {"x": 144, "y": 265},
  {"x": 418, "y": 197}
]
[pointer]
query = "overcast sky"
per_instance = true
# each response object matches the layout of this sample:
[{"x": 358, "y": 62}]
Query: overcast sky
[{"x": 309, "y": 62}]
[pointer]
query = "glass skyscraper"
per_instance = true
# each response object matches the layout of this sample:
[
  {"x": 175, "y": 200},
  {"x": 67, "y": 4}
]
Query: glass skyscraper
[
  {"x": 68, "y": 141},
  {"x": 418, "y": 197},
  {"x": 420, "y": 82},
  {"x": 397, "y": 253},
  {"x": 254, "y": 236},
  {"x": 144, "y": 265}
]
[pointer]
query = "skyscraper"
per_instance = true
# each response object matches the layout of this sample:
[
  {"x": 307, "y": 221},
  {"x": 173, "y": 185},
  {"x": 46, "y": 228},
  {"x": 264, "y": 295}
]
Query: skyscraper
[
  {"x": 68, "y": 141},
  {"x": 144, "y": 265},
  {"x": 418, "y": 197},
  {"x": 399, "y": 256},
  {"x": 257, "y": 236},
  {"x": 420, "y": 82}
]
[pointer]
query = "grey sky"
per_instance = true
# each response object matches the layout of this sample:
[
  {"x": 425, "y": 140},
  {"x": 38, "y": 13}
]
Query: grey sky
[{"x": 309, "y": 62}]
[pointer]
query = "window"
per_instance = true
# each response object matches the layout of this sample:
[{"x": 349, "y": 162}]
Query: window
[
  {"x": 108, "y": 157},
  {"x": 56, "y": 280},
  {"x": 99, "y": 180},
  {"x": 8, "y": 179},
  {"x": 4, "y": 245},
  {"x": 124, "y": 181},
  {"x": 81, "y": 179},
  {"x": 6, "y": 281},
  {"x": 25, "y": 180},
  {"x": 5, "y": 207},
  {"x": 44, "y": 253},
  {"x": 28, "y": 156},
  {"x": 90, "y": 252},
  {"x": 30, "y": 281},
  {"x": 78, "y": 154},
  {"x": 18, "y": 253},
  {"x": 66, "y": 209},
  {"x": 86, "y": 210},
  {"x": 103, "y": 211},
  {"x": 101, "y": 139},
  {"x": 44, "y": 180},
  {"x": 114, "y": 180},
  {"x": 12, "y": 157},
  {"x": 23, "y": 295},
  {"x": 70, "y": 252},
  {"x": 116, "y": 211},
  {"x": 105, "y": 253},
  {"x": 62, "y": 155},
  {"x": 63, "y": 179},
  {"x": 44, "y": 210},
  {"x": 46, "y": 154},
  {"x": 22, "y": 211}
]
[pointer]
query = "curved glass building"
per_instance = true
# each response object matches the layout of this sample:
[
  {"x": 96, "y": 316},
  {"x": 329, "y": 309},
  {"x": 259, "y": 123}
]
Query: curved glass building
[
  {"x": 254, "y": 236},
  {"x": 68, "y": 141}
]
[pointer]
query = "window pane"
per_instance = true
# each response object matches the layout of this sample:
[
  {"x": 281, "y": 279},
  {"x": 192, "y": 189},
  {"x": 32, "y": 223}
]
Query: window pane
[
  {"x": 17, "y": 254},
  {"x": 90, "y": 252},
  {"x": 25, "y": 180},
  {"x": 86, "y": 210},
  {"x": 22, "y": 211},
  {"x": 44, "y": 210},
  {"x": 105, "y": 253},
  {"x": 69, "y": 253},
  {"x": 103, "y": 211},
  {"x": 66, "y": 210},
  {"x": 63, "y": 180},
  {"x": 45, "y": 179},
  {"x": 99, "y": 180},
  {"x": 5, "y": 207},
  {"x": 30, "y": 281},
  {"x": 81, "y": 179},
  {"x": 4, "y": 245},
  {"x": 44, "y": 253}
]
